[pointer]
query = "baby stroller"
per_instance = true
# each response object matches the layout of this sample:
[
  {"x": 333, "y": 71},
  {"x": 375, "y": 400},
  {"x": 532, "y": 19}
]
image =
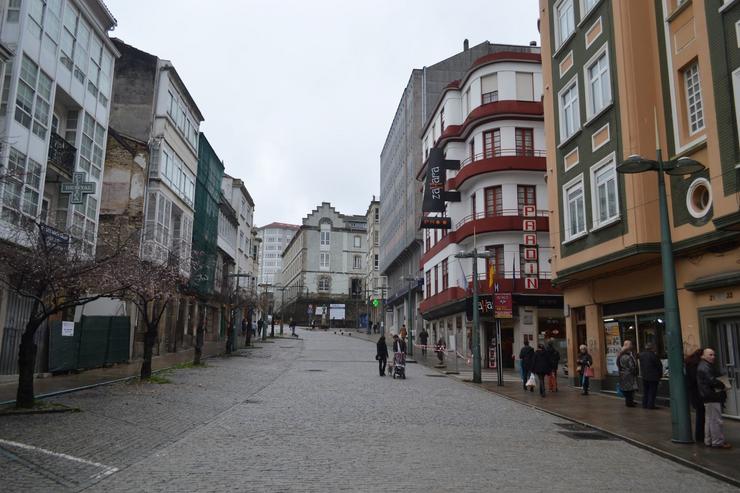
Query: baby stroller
[{"x": 399, "y": 365}]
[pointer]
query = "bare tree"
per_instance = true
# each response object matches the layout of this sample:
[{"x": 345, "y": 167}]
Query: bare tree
[
  {"x": 151, "y": 286},
  {"x": 49, "y": 268}
]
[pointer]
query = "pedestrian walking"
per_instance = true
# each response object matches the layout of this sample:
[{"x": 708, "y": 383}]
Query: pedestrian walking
[
  {"x": 541, "y": 367},
  {"x": 554, "y": 357},
  {"x": 381, "y": 355},
  {"x": 403, "y": 333},
  {"x": 713, "y": 394},
  {"x": 260, "y": 327},
  {"x": 292, "y": 328},
  {"x": 440, "y": 349},
  {"x": 272, "y": 326},
  {"x": 627, "y": 365},
  {"x": 692, "y": 388},
  {"x": 424, "y": 339},
  {"x": 525, "y": 362},
  {"x": 585, "y": 368},
  {"x": 651, "y": 370}
]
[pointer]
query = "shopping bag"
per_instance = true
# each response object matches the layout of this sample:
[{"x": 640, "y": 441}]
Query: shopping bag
[
  {"x": 588, "y": 372},
  {"x": 531, "y": 382},
  {"x": 619, "y": 391}
]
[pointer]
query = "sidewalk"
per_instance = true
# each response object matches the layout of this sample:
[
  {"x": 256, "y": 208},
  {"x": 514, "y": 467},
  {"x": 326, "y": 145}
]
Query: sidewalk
[
  {"x": 44, "y": 387},
  {"x": 647, "y": 429}
]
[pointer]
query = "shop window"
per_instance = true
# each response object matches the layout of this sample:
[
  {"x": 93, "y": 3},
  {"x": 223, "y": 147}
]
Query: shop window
[{"x": 640, "y": 329}]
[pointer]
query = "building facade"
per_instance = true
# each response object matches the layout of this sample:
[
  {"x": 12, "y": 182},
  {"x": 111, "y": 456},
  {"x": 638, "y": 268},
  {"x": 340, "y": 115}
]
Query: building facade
[
  {"x": 247, "y": 262},
  {"x": 376, "y": 286},
  {"x": 491, "y": 121},
  {"x": 621, "y": 77},
  {"x": 57, "y": 63},
  {"x": 400, "y": 201},
  {"x": 274, "y": 238},
  {"x": 323, "y": 269}
]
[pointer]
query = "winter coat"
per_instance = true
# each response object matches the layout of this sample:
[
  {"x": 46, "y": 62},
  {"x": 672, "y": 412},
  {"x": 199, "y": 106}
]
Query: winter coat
[
  {"x": 399, "y": 346},
  {"x": 651, "y": 368},
  {"x": 526, "y": 355},
  {"x": 692, "y": 385},
  {"x": 627, "y": 364},
  {"x": 541, "y": 363},
  {"x": 710, "y": 388},
  {"x": 382, "y": 350},
  {"x": 584, "y": 361},
  {"x": 424, "y": 337},
  {"x": 554, "y": 357}
]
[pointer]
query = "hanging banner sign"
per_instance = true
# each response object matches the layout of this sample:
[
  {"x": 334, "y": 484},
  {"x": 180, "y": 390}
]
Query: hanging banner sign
[
  {"x": 435, "y": 195},
  {"x": 503, "y": 305},
  {"x": 436, "y": 223}
]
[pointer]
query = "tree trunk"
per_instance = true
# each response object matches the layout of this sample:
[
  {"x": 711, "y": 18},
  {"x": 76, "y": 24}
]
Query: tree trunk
[
  {"x": 149, "y": 339},
  {"x": 26, "y": 364},
  {"x": 199, "y": 335}
]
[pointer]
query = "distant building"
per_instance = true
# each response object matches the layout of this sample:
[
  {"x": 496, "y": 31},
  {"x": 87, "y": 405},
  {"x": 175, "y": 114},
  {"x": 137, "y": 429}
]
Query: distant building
[
  {"x": 274, "y": 238},
  {"x": 247, "y": 263},
  {"x": 376, "y": 287},
  {"x": 324, "y": 265}
]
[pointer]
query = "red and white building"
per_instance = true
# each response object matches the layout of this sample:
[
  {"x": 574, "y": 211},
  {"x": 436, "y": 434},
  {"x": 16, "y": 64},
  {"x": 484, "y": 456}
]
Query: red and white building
[{"x": 492, "y": 122}]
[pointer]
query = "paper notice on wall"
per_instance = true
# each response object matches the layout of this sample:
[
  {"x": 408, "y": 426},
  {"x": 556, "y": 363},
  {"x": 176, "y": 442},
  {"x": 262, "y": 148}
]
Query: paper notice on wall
[
  {"x": 613, "y": 346},
  {"x": 68, "y": 329}
]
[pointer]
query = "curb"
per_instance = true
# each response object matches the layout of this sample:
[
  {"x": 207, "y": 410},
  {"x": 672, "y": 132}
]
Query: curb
[{"x": 99, "y": 384}]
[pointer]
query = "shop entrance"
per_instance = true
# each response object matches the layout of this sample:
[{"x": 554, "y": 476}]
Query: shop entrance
[
  {"x": 728, "y": 361},
  {"x": 507, "y": 345}
]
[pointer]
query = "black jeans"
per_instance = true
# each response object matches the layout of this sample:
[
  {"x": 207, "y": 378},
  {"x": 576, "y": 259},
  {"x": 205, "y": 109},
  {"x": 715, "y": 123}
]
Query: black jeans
[
  {"x": 649, "y": 392},
  {"x": 541, "y": 382},
  {"x": 629, "y": 398},
  {"x": 381, "y": 366},
  {"x": 699, "y": 422}
]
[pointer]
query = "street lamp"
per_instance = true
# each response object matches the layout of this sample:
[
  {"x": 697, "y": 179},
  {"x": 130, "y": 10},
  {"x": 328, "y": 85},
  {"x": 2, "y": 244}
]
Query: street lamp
[{"x": 680, "y": 418}]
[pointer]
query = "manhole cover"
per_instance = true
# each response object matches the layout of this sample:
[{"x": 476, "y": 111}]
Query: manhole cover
[
  {"x": 437, "y": 375},
  {"x": 573, "y": 427},
  {"x": 585, "y": 435},
  {"x": 250, "y": 401},
  {"x": 315, "y": 370}
]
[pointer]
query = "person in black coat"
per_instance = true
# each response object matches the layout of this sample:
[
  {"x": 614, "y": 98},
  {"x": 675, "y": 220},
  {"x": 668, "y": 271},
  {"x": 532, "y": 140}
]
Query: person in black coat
[
  {"x": 692, "y": 364},
  {"x": 382, "y": 355},
  {"x": 525, "y": 362},
  {"x": 651, "y": 370},
  {"x": 713, "y": 394},
  {"x": 552, "y": 377},
  {"x": 541, "y": 366}
]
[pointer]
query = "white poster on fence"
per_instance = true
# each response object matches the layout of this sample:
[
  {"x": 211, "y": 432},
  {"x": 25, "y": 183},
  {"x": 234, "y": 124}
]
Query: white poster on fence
[
  {"x": 68, "y": 329},
  {"x": 336, "y": 311}
]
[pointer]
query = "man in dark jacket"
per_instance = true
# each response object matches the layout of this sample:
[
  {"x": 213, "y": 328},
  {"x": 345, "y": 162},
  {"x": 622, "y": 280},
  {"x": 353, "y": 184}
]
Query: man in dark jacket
[
  {"x": 424, "y": 339},
  {"x": 541, "y": 366},
  {"x": 554, "y": 357},
  {"x": 712, "y": 392},
  {"x": 651, "y": 370},
  {"x": 525, "y": 362}
]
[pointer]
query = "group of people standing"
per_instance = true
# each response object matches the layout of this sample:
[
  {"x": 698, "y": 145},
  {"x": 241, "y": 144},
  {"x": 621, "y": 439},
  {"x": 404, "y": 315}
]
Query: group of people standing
[{"x": 542, "y": 363}]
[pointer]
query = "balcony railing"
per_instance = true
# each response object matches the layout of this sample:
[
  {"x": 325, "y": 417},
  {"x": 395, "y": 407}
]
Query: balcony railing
[
  {"x": 62, "y": 154},
  {"x": 492, "y": 153},
  {"x": 498, "y": 213}
]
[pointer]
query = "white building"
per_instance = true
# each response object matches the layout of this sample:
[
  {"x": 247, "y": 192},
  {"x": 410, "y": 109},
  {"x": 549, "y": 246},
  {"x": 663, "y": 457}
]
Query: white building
[
  {"x": 324, "y": 264},
  {"x": 246, "y": 248},
  {"x": 274, "y": 238},
  {"x": 56, "y": 62},
  {"x": 492, "y": 122},
  {"x": 375, "y": 284}
]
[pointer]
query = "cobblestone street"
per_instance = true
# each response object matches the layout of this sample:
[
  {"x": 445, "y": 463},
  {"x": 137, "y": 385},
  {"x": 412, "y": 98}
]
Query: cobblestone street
[{"x": 313, "y": 415}]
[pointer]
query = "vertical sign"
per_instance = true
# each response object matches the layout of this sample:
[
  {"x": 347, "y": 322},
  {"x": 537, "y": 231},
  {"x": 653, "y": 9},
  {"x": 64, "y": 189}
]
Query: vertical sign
[{"x": 529, "y": 252}]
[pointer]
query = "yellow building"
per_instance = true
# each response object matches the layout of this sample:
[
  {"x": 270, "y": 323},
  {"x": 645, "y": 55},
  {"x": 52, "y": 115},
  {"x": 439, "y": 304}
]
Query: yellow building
[{"x": 615, "y": 74}]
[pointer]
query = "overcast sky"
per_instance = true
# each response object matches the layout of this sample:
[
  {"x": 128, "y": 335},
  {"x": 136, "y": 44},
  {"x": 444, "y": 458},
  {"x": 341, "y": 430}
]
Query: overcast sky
[{"x": 298, "y": 95}]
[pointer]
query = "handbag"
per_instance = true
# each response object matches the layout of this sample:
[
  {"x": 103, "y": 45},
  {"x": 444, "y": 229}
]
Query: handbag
[
  {"x": 619, "y": 391},
  {"x": 531, "y": 382},
  {"x": 588, "y": 372},
  {"x": 377, "y": 357}
]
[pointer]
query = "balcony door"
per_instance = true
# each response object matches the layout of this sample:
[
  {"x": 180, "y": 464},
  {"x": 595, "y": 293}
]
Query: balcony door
[
  {"x": 494, "y": 201},
  {"x": 526, "y": 195},
  {"x": 491, "y": 143},
  {"x": 524, "y": 141}
]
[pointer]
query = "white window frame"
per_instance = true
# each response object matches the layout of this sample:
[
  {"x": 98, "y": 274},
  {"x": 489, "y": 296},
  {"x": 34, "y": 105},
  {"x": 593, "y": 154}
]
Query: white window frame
[
  {"x": 602, "y": 173},
  {"x": 572, "y": 84},
  {"x": 592, "y": 111},
  {"x": 357, "y": 241},
  {"x": 324, "y": 261},
  {"x": 575, "y": 182},
  {"x": 357, "y": 262},
  {"x": 560, "y": 37},
  {"x": 689, "y": 84},
  {"x": 587, "y": 6},
  {"x": 736, "y": 96}
]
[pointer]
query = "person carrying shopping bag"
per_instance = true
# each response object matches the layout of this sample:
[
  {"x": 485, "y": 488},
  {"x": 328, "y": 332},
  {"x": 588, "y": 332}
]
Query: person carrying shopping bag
[{"x": 585, "y": 362}]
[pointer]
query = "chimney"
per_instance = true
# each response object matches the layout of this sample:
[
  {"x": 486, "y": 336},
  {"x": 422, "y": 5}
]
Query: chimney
[
  {"x": 533, "y": 43},
  {"x": 466, "y": 45}
]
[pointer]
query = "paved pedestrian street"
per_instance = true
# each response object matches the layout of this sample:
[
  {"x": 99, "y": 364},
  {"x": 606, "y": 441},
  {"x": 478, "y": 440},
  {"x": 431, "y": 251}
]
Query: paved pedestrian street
[{"x": 313, "y": 415}]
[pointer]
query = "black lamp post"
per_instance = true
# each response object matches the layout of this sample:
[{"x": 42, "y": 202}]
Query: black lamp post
[{"x": 680, "y": 418}]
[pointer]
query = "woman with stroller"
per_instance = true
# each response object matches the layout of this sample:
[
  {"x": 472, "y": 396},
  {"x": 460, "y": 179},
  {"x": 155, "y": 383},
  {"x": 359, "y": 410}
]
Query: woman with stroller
[
  {"x": 440, "y": 349},
  {"x": 382, "y": 355}
]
